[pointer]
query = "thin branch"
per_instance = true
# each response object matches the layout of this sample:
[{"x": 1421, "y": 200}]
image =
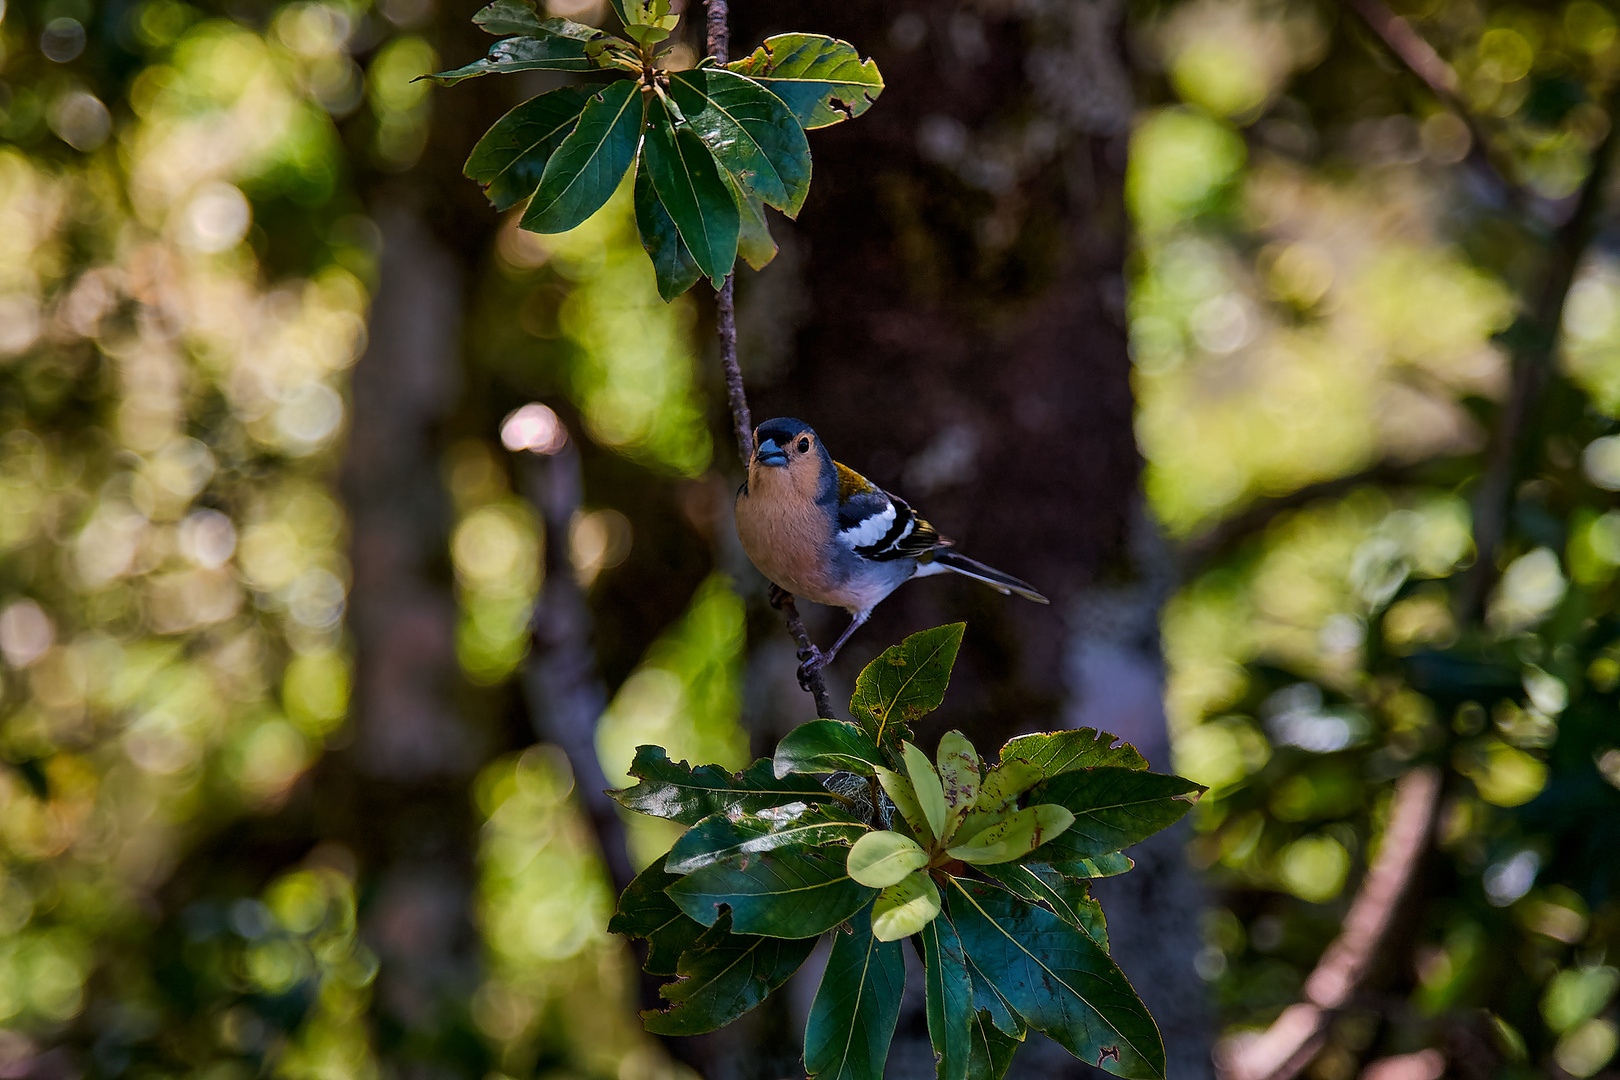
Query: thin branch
[
  {"x": 564, "y": 691},
  {"x": 1295, "y": 1037},
  {"x": 737, "y": 397},
  {"x": 1536, "y": 336}
]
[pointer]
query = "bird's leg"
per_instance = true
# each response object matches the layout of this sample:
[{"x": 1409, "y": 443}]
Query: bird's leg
[
  {"x": 814, "y": 659},
  {"x": 779, "y": 596}
]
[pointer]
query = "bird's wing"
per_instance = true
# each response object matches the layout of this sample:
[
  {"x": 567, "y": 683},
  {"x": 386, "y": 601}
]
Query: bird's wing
[{"x": 880, "y": 526}]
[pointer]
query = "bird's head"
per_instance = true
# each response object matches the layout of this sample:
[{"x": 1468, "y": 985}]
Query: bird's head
[{"x": 787, "y": 449}]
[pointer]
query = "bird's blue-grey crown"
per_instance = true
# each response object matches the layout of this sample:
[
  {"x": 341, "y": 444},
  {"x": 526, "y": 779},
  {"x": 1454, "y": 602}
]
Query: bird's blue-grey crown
[{"x": 774, "y": 438}]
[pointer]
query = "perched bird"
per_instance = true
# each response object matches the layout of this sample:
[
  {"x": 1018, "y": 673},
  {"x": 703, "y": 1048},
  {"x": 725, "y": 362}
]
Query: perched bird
[{"x": 823, "y": 531}]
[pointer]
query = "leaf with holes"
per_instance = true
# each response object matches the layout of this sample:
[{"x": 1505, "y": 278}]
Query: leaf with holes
[
  {"x": 646, "y": 911},
  {"x": 722, "y": 976},
  {"x": 906, "y": 682},
  {"x": 586, "y": 169},
  {"x": 678, "y": 792},
  {"x": 856, "y": 1007},
  {"x": 724, "y": 836},
  {"x": 750, "y": 131},
  {"x": 1058, "y": 980},
  {"x": 511, "y": 157},
  {"x": 823, "y": 80},
  {"x": 789, "y": 894}
]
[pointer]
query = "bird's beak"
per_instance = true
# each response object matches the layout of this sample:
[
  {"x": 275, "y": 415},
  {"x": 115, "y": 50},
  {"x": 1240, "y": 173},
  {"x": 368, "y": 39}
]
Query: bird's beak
[{"x": 771, "y": 454}]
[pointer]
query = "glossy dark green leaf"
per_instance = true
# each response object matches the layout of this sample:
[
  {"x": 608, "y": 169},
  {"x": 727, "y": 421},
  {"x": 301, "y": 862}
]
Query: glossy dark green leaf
[
  {"x": 646, "y": 911},
  {"x": 1113, "y": 809},
  {"x": 511, "y": 157},
  {"x": 723, "y": 975},
  {"x": 586, "y": 169},
  {"x": 789, "y": 894},
  {"x": 750, "y": 131},
  {"x": 990, "y": 1051},
  {"x": 825, "y": 746},
  {"x": 673, "y": 265},
  {"x": 949, "y": 1001},
  {"x": 1098, "y": 866},
  {"x": 724, "y": 836},
  {"x": 688, "y": 183},
  {"x": 1069, "y": 898},
  {"x": 678, "y": 792},
  {"x": 1029, "y": 759},
  {"x": 988, "y": 999},
  {"x": 907, "y": 681},
  {"x": 549, "y": 53},
  {"x": 857, "y": 1006},
  {"x": 1058, "y": 979},
  {"x": 821, "y": 79},
  {"x": 507, "y": 17}
]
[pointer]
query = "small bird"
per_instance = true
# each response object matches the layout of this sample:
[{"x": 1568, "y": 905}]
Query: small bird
[{"x": 823, "y": 531}]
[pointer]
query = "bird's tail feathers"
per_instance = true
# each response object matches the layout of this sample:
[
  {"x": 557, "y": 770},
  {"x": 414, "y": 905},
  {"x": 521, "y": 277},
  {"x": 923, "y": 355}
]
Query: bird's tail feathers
[{"x": 1005, "y": 584}]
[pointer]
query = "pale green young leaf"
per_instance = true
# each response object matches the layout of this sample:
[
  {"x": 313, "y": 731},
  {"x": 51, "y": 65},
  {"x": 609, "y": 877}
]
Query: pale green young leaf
[
  {"x": 904, "y": 797},
  {"x": 905, "y": 907},
  {"x": 880, "y": 859},
  {"x": 959, "y": 773},
  {"x": 930, "y": 792},
  {"x": 1022, "y": 832}
]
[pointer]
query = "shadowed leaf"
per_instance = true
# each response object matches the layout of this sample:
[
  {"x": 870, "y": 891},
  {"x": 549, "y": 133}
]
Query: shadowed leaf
[
  {"x": 586, "y": 169},
  {"x": 857, "y": 1006},
  {"x": 1068, "y": 897},
  {"x": 646, "y": 911},
  {"x": 688, "y": 183},
  {"x": 825, "y": 746},
  {"x": 548, "y": 53},
  {"x": 1112, "y": 808},
  {"x": 990, "y": 1051},
  {"x": 907, "y": 681},
  {"x": 678, "y": 792},
  {"x": 949, "y": 1000},
  {"x": 723, "y": 975},
  {"x": 511, "y": 157},
  {"x": 823, "y": 80},
  {"x": 790, "y": 894},
  {"x": 724, "y": 836},
  {"x": 673, "y": 265}
]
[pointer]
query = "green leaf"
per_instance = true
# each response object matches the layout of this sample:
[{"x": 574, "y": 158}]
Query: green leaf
[
  {"x": 1069, "y": 898},
  {"x": 689, "y": 185},
  {"x": 788, "y": 894},
  {"x": 905, "y": 907},
  {"x": 907, "y": 681},
  {"x": 646, "y": 911},
  {"x": 904, "y": 797},
  {"x": 619, "y": 10},
  {"x": 549, "y": 53},
  {"x": 755, "y": 244},
  {"x": 1112, "y": 808},
  {"x": 723, "y": 976},
  {"x": 751, "y": 133},
  {"x": 959, "y": 773},
  {"x": 724, "y": 836},
  {"x": 1057, "y": 979},
  {"x": 880, "y": 859},
  {"x": 949, "y": 1000},
  {"x": 991, "y": 1051},
  {"x": 678, "y": 792},
  {"x": 930, "y": 793},
  {"x": 1054, "y": 752},
  {"x": 989, "y": 999},
  {"x": 511, "y": 157},
  {"x": 673, "y": 265},
  {"x": 823, "y": 80},
  {"x": 1022, "y": 832},
  {"x": 1099, "y": 866},
  {"x": 825, "y": 746},
  {"x": 586, "y": 169},
  {"x": 506, "y": 17},
  {"x": 857, "y": 1006}
]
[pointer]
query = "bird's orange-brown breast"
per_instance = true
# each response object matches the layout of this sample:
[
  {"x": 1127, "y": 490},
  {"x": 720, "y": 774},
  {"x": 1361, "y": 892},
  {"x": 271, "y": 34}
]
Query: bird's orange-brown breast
[{"x": 785, "y": 533}]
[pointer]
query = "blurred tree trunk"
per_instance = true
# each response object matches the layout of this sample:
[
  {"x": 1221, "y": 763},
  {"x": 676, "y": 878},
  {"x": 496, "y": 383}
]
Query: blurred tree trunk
[{"x": 962, "y": 342}]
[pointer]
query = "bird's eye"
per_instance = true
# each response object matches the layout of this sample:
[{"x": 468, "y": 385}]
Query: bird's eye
[{"x": 804, "y": 446}]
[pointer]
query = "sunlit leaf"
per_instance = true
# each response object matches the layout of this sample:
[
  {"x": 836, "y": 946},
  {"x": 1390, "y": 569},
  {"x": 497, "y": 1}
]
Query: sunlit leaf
[
  {"x": 790, "y": 894},
  {"x": 723, "y": 836},
  {"x": 688, "y": 183},
  {"x": 506, "y": 17},
  {"x": 1058, "y": 979},
  {"x": 750, "y": 131},
  {"x": 823, "y": 80},
  {"x": 904, "y": 797},
  {"x": 959, "y": 773},
  {"x": 675, "y": 790},
  {"x": 1113, "y": 809},
  {"x": 905, "y": 907},
  {"x": 511, "y": 157},
  {"x": 549, "y": 53},
  {"x": 949, "y": 1000},
  {"x": 673, "y": 265},
  {"x": 1022, "y": 832},
  {"x": 646, "y": 911},
  {"x": 880, "y": 859},
  {"x": 930, "y": 792},
  {"x": 824, "y": 746},
  {"x": 857, "y": 1006},
  {"x": 586, "y": 169},
  {"x": 906, "y": 682},
  {"x": 722, "y": 976},
  {"x": 755, "y": 244},
  {"x": 1029, "y": 759}
]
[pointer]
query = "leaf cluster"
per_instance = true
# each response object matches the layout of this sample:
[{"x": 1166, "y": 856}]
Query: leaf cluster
[
  {"x": 985, "y": 867},
  {"x": 711, "y": 146}
]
